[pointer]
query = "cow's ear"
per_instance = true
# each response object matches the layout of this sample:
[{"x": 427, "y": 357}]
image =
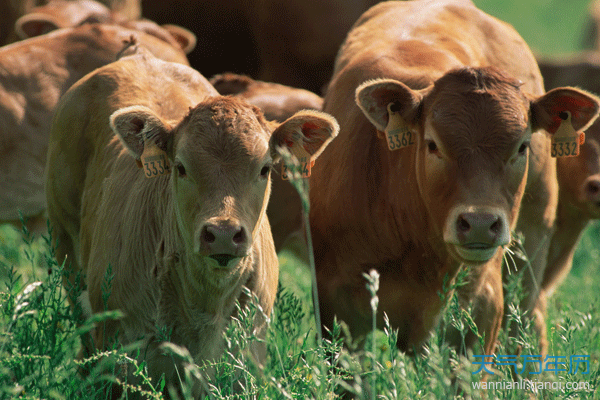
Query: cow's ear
[
  {"x": 374, "y": 96},
  {"x": 35, "y": 24},
  {"x": 137, "y": 125},
  {"x": 546, "y": 110},
  {"x": 308, "y": 131},
  {"x": 185, "y": 38}
]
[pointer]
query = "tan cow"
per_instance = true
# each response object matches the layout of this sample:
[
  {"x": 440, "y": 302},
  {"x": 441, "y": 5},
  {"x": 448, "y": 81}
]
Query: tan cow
[
  {"x": 463, "y": 92},
  {"x": 70, "y": 13},
  {"x": 181, "y": 245},
  {"x": 12, "y": 10},
  {"x": 34, "y": 74}
]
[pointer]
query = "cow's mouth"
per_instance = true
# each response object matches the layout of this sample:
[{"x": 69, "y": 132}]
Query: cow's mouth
[
  {"x": 223, "y": 259},
  {"x": 476, "y": 252}
]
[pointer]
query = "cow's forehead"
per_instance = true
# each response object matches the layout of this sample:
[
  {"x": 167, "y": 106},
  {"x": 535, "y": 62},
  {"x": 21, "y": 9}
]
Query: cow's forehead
[
  {"x": 225, "y": 127},
  {"x": 478, "y": 108}
]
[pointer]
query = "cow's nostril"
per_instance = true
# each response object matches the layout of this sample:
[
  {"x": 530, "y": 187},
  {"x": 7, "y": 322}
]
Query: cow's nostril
[
  {"x": 207, "y": 236},
  {"x": 239, "y": 237},
  {"x": 593, "y": 187},
  {"x": 463, "y": 225},
  {"x": 496, "y": 227}
]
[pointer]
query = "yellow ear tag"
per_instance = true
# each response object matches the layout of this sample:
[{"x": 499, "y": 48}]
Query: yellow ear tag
[
  {"x": 304, "y": 163},
  {"x": 396, "y": 132},
  {"x": 154, "y": 160},
  {"x": 565, "y": 142}
]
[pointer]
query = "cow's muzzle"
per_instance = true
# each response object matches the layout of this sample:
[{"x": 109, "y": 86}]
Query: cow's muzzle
[
  {"x": 476, "y": 234},
  {"x": 223, "y": 242}
]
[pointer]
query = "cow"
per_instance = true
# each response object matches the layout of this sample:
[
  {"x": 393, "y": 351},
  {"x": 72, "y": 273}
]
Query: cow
[
  {"x": 578, "y": 205},
  {"x": 12, "y": 10},
  {"x": 578, "y": 177},
  {"x": 458, "y": 97},
  {"x": 70, "y": 13},
  {"x": 34, "y": 74},
  {"x": 277, "y": 102},
  {"x": 297, "y": 40},
  {"x": 181, "y": 241}
]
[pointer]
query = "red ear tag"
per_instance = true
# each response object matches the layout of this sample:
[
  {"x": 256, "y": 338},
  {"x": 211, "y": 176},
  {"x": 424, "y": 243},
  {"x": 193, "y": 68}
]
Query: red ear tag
[
  {"x": 396, "y": 132},
  {"x": 566, "y": 141},
  {"x": 154, "y": 160},
  {"x": 304, "y": 162}
]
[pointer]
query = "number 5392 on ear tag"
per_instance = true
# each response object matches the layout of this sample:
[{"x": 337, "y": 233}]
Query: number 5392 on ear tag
[
  {"x": 396, "y": 132},
  {"x": 565, "y": 142},
  {"x": 304, "y": 163}
]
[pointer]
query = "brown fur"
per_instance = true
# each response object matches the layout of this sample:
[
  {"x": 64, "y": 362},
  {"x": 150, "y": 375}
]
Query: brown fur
[
  {"x": 398, "y": 211},
  {"x": 156, "y": 233},
  {"x": 58, "y": 14},
  {"x": 12, "y": 10},
  {"x": 34, "y": 74}
]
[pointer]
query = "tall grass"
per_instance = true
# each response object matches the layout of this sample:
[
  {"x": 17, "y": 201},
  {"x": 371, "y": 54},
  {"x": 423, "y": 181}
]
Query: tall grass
[{"x": 40, "y": 342}]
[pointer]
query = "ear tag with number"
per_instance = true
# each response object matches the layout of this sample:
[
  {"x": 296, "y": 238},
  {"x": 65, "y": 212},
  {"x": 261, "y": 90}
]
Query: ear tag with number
[
  {"x": 565, "y": 142},
  {"x": 396, "y": 132},
  {"x": 304, "y": 163},
  {"x": 154, "y": 160}
]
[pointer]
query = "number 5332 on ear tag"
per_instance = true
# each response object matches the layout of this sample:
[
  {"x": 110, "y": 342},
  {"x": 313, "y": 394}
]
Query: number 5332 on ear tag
[
  {"x": 396, "y": 132},
  {"x": 565, "y": 142},
  {"x": 304, "y": 163}
]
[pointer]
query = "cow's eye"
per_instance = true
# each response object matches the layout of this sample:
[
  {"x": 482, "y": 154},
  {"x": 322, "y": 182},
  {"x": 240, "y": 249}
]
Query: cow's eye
[
  {"x": 180, "y": 170},
  {"x": 431, "y": 146},
  {"x": 264, "y": 171},
  {"x": 524, "y": 146}
]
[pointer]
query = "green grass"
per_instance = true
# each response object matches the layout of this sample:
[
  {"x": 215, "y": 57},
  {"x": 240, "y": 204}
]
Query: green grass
[{"x": 39, "y": 343}]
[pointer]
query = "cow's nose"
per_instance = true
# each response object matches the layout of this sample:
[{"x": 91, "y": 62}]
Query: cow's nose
[
  {"x": 592, "y": 189},
  {"x": 480, "y": 228},
  {"x": 227, "y": 239}
]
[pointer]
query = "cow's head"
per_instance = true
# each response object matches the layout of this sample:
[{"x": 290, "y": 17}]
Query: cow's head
[
  {"x": 473, "y": 130},
  {"x": 579, "y": 177},
  {"x": 221, "y": 154}
]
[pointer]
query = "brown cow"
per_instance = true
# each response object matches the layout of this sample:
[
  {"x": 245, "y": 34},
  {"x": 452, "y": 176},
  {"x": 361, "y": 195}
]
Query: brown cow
[
  {"x": 12, "y": 10},
  {"x": 34, "y": 74},
  {"x": 70, "y": 13},
  {"x": 578, "y": 177},
  {"x": 182, "y": 245},
  {"x": 297, "y": 40},
  {"x": 463, "y": 90},
  {"x": 277, "y": 102}
]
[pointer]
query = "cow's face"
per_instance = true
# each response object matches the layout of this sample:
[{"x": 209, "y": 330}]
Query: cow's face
[
  {"x": 579, "y": 177},
  {"x": 221, "y": 155},
  {"x": 473, "y": 129}
]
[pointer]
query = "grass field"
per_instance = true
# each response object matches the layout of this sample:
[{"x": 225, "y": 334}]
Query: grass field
[{"x": 39, "y": 341}]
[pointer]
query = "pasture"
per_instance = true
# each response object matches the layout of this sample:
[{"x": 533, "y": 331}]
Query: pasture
[{"x": 39, "y": 340}]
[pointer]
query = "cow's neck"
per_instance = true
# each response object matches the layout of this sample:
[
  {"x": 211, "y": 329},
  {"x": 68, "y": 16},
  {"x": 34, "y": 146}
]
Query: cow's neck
[{"x": 195, "y": 300}]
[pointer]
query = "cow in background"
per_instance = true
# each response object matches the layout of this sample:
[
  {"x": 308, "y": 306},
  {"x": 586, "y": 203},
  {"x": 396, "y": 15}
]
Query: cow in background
[
  {"x": 35, "y": 73},
  {"x": 578, "y": 177},
  {"x": 12, "y": 10},
  {"x": 187, "y": 232},
  {"x": 458, "y": 98},
  {"x": 59, "y": 14}
]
